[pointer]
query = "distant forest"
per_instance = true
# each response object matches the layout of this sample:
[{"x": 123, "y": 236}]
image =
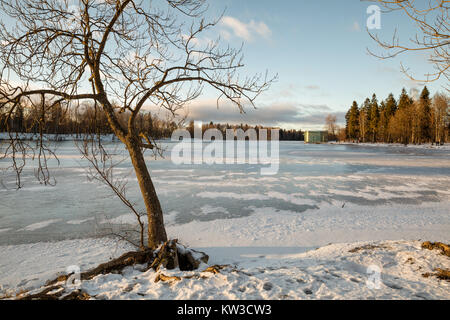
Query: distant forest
[
  {"x": 408, "y": 120},
  {"x": 85, "y": 119},
  {"x": 58, "y": 119}
]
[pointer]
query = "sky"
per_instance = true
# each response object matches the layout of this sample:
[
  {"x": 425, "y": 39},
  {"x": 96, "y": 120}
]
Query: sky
[{"x": 318, "y": 49}]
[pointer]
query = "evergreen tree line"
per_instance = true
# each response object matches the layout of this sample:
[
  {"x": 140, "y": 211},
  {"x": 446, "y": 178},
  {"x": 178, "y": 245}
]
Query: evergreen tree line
[
  {"x": 85, "y": 119},
  {"x": 408, "y": 120}
]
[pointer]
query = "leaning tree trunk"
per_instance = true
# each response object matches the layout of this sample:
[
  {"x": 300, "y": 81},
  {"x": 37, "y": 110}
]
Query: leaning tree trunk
[{"x": 156, "y": 230}]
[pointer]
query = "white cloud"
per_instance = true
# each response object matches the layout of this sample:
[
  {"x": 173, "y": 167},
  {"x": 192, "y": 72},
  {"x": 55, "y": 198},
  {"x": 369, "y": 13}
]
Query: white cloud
[
  {"x": 243, "y": 30},
  {"x": 225, "y": 34},
  {"x": 261, "y": 28}
]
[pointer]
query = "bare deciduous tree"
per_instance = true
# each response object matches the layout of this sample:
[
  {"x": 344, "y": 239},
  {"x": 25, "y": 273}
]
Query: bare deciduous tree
[
  {"x": 121, "y": 55},
  {"x": 101, "y": 169},
  {"x": 432, "y": 37},
  {"x": 441, "y": 117},
  {"x": 330, "y": 125}
]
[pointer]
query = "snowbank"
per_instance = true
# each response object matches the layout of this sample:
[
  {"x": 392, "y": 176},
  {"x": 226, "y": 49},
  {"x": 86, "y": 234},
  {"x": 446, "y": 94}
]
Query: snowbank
[
  {"x": 445, "y": 146},
  {"x": 28, "y": 266},
  {"x": 363, "y": 270}
]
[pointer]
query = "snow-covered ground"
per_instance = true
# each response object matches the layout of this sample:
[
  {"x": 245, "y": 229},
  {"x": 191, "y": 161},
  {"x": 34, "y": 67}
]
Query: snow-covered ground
[
  {"x": 362, "y": 270},
  {"x": 28, "y": 266},
  {"x": 330, "y": 272},
  {"x": 445, "y": 146}
]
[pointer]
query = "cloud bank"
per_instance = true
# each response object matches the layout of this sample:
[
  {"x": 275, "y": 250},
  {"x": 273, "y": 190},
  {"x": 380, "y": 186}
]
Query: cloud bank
[
  {"x": 245, "y": 31},
  {"x": 286, "y": 115}
]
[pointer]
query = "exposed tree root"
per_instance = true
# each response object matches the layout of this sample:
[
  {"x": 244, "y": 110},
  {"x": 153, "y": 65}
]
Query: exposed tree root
[
  {"x": 444, "y": 248},
  {"x": 57, "y": 292},
  {"x": 170, "y": 255},
  {"x": 116, "y": 265},
  {"x": 215, "y": 269},
  {"x": 167, "y": 257},
  {"x": 173, "y": 255},
  {"x": 47, "y": 294},
  {"x": 163, "y": 277},
  {"x": 442, "y": 274},
  {"x": 113, "y": 266},
  {"x": 171, "y": 279}
]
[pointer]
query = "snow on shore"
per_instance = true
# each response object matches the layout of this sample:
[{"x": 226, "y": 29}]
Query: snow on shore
[
  {"x": 363, "y": 270},
  {"x": 332, "y": 272},
  {"x": 445, "y": 146},
  {"x": 28, "y": 266}
]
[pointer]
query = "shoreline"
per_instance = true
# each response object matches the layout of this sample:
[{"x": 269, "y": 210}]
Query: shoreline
[
  {"x": 445, "y": 146},
  {"x": 333, "y": 271},
  {"x": 28, "y": 266}
]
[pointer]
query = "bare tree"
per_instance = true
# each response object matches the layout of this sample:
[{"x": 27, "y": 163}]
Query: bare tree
[
  {"x": 102, "y": 170},
  {"x": 330, "y": 125},
  {"x": 441, "y": 117},
  {"x": 121, "y": 55},
  {"x": 432, "y": 37}
]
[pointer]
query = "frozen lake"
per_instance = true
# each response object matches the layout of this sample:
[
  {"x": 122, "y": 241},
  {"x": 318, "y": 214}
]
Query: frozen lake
[{"x": 321, "y": 193}]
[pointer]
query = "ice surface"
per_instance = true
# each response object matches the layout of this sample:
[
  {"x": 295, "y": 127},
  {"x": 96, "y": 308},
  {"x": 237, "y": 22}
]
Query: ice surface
[
  {"x": 394, "y": 187},
  {"x": 268, "y": 227}
]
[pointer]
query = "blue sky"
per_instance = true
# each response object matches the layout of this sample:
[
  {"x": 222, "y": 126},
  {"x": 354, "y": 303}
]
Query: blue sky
[{"x": 319, "y": 51}]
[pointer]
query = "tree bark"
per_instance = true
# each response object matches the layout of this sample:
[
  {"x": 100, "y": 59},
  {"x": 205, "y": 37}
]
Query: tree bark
[{"x": 156, "y": 230}]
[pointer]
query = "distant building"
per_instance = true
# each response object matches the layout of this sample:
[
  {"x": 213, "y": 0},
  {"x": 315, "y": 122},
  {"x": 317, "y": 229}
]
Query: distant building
[{"x": 316, "y": 136}]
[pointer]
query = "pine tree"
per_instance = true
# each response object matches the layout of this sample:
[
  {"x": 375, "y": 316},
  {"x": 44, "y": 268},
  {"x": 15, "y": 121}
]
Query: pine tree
[
  {"x": 402, "y": 126},
  {"x": 352, "y": 118},
  {"x": 382, "y": 123},
  {"x": 404, "y": 102},
  {"x": 386, "y": 114},
  {"x": 364, "y": 120},
  {"x": 391, "y": 105},
  {"x": 374, "y": 116},
  {"x": 424, "y": 113},
  {"x": 408, "y": 121}
]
